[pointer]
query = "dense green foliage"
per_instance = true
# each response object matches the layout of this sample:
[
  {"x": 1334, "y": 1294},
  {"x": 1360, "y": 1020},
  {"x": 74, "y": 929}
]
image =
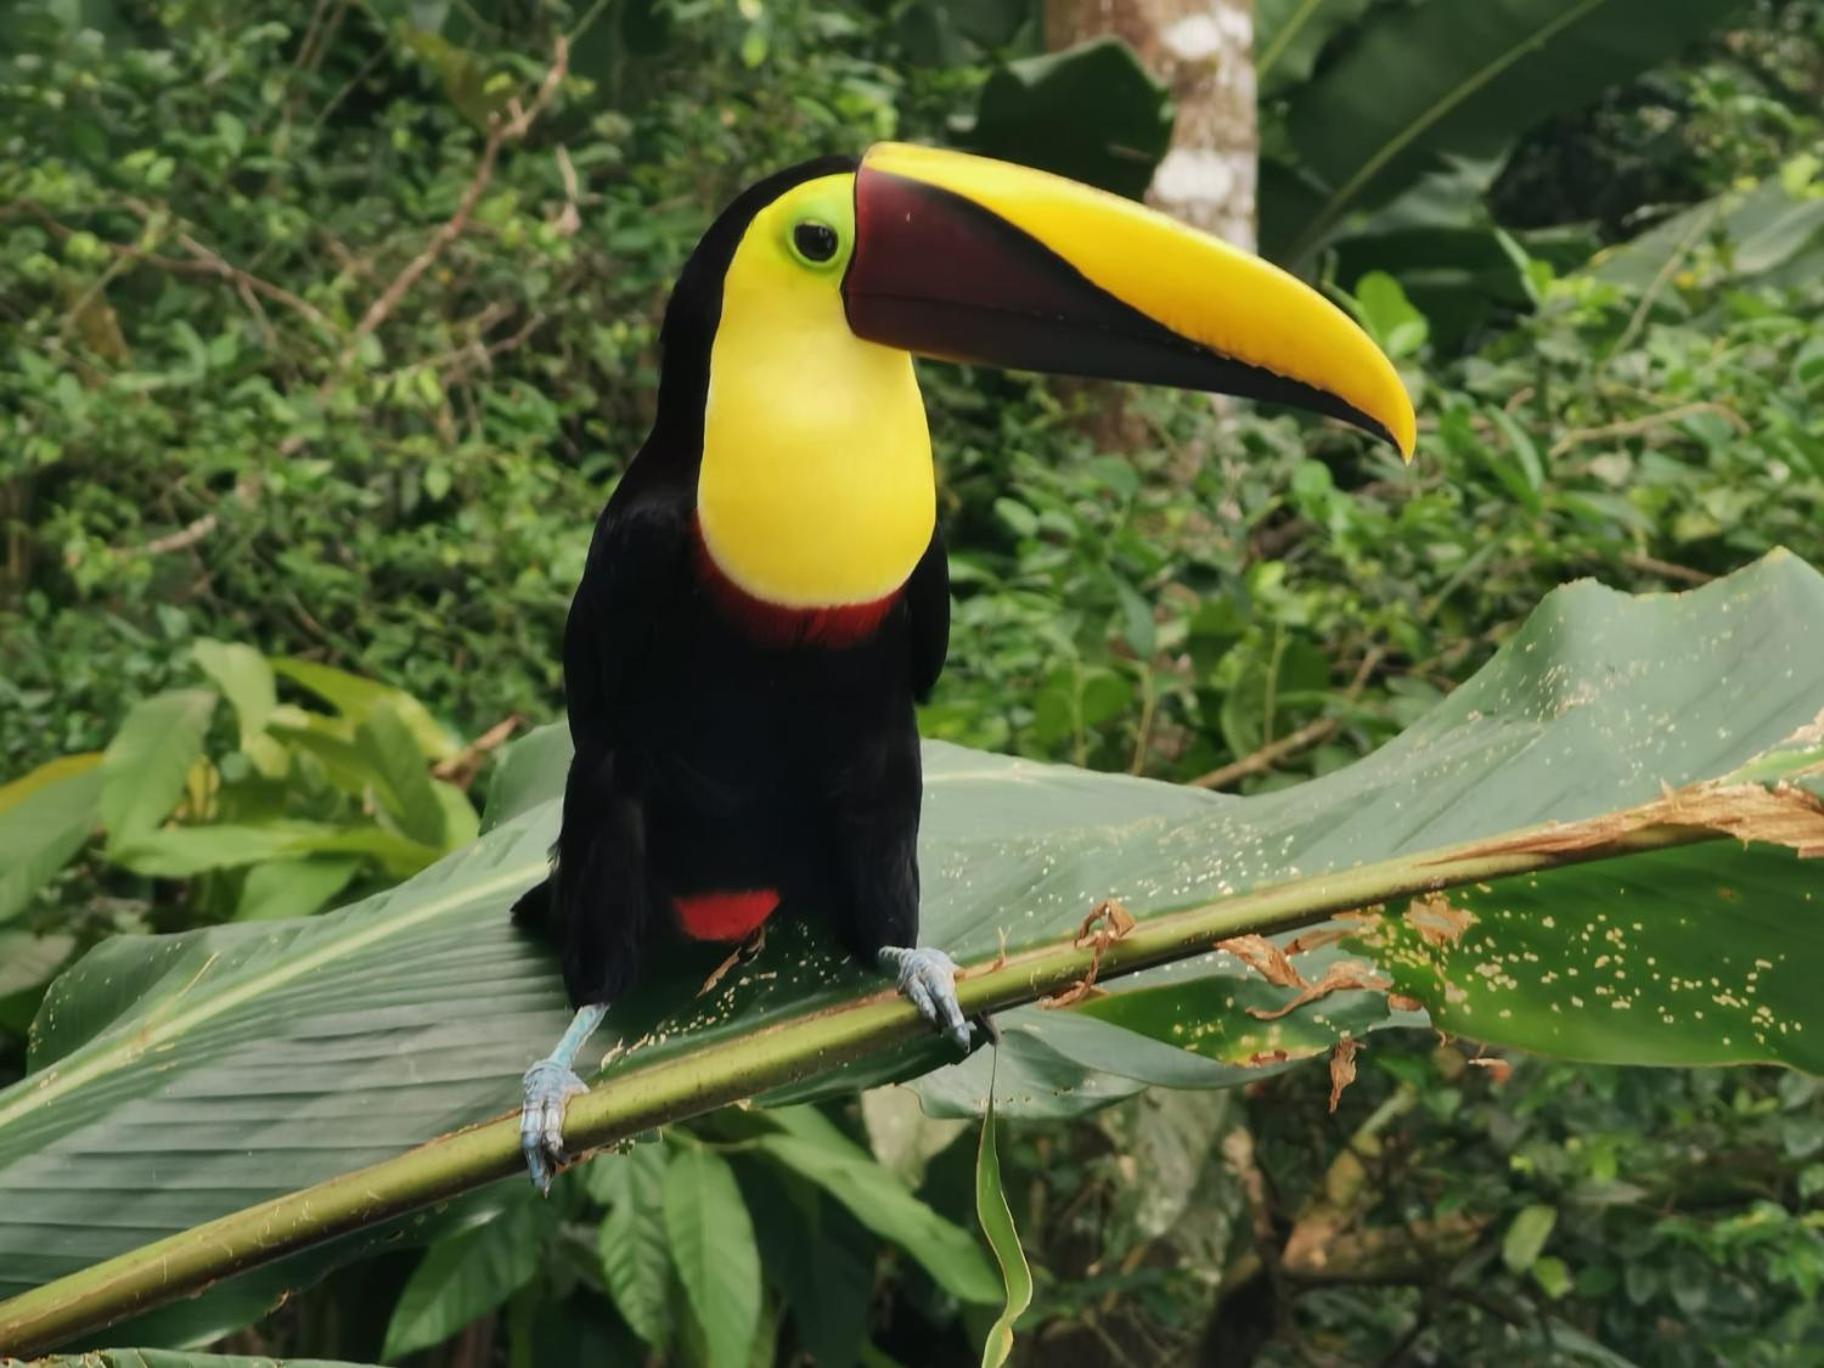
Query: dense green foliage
[{"x": 205, "y": 434}]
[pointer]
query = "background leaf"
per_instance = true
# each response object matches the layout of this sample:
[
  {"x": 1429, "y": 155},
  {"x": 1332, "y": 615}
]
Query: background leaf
[
  {"x": 467, "y": 1276},
  {"x": 354, "y": 698},
  {"x": 279, "y": 888},
  {"x": 1092, "y": 113},
  {"x": 38, "y": 837},
  {"x": 144, "y": 767},
  {"x": 712, "y": 1245},
  {"x": 177, "y": 1358},
  {"x": 244, "y": 678},
  {"x": 1289, "y": 35},
  {"x": 635, "y": 1259},
  {"x": 1419, "y": 81},
  {"x": 997, "y": 1224},
  {"x": 820, "y": 1154},
  {"x": 391, "y": 752}
]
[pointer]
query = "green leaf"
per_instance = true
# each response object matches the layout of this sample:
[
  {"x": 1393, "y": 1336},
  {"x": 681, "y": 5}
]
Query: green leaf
[
  {"x": 278, "y": 1045},
  {"x": 27, "y": 960},
  {"x": 1764, "y": 230},
  {"x": 45, "y": 818},
  {"x": 461, "y": 823},
  {"x": 1419, "y": 82},
  {"x": 293, "y": 888},
  {"x": 179, "y": 852},
  {"x": 636, "y": 1262},
  {"x": 244, "y": 678},
  {"x": 522, "y": 779},
  {"x": 824, "y": 1156},
  {"x": 1389, "y": 316},
  {"x": 1289, "y": 35},
  {"x": 997, "y": 1224},
  {"x": 821, "y": 1259},
  {"x": 467, "y": 1276},
  {"x": 177, "y": 1358},
  {"x": 1526, "y": 1237},
  {"x": 1091, "y": 112},
  {"x": 402, "y": 780},
  {"x": 1526, "y": 452},
  {"x": 354, "y": 698},
  {"x": 1553, "y": 1277},
  {"x": 712, "y": 1246},
  {"x": 144, "y": 767}
]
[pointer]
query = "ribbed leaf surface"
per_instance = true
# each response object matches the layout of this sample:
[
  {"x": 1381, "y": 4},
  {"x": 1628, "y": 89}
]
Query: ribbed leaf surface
[{"x": 179, "y": 1078}]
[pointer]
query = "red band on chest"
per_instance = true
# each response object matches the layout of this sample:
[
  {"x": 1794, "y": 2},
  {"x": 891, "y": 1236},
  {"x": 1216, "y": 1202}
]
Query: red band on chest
[
  {"x": 775, "y": 625},
  {"x": 725, "y": 916}
]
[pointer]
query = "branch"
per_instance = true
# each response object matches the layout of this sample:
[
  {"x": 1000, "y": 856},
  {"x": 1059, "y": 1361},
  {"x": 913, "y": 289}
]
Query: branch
[
  {"x": 1268, "y": 755},
  {"x": 208, "y": 262},
  {"x": 1634, "y": 427},
  {"x": 1306, "y": 736},
  {"x": 499, "y": 131},
  {"x": 810, "y": 1045}
]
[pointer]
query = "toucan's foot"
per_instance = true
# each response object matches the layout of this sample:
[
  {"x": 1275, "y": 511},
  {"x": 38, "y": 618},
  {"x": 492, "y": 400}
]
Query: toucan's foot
[
  {"x": 548, "y": 1086},
  {"x": 928, "y": 977}
]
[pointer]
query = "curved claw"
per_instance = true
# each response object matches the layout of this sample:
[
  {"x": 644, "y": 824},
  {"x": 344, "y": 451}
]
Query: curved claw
[
  {"x": 928, "y": 978},
  {"x": 548, "y": 1086}
]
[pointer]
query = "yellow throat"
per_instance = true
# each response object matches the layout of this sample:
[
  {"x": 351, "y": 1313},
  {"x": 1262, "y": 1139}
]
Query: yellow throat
[{"x": 816, "y": 487}]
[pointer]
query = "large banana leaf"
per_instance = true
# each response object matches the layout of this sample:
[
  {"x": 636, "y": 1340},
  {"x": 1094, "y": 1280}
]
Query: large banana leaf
[
  {"x": 1413, "y": 84},
  {"x": 176, "y": 1079}
]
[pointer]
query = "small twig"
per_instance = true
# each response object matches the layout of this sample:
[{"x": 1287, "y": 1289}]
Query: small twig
[
  {"x": 568, "y": 219},
  {"x": 1652, "y": 565},
  {"x": 1634, "y": 426},
  {"x": 1149, "y": 703},
  {"x": 1268, "y": 755},
  {"x": 181, "y": 539},
  {"x": 1699, "y": 226},
  {"x": 212, "y": 263},
  {"x": 208, "y": 262},
  {"x": 1305, "y": 737},
  {"x": 460, "y": 768},
  {"x": 499, "y": 132}
]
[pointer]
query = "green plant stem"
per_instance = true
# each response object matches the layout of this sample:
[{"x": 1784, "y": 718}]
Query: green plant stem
[{"x": 641, "y": 1099}]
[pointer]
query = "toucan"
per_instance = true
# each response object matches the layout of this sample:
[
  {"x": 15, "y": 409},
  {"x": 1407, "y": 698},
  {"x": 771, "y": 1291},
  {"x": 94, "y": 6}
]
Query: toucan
[{"x": 766, "y": 595}]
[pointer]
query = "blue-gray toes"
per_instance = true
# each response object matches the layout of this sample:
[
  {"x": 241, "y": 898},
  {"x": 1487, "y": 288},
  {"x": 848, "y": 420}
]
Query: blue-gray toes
[
  {"x": 548, "y": 1086},
  {"x": 928, "y": 978}
]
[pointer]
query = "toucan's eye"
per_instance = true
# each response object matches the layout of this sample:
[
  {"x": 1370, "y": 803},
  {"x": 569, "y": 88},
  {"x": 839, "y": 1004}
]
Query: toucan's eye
[{"x": 814, "y": 241}]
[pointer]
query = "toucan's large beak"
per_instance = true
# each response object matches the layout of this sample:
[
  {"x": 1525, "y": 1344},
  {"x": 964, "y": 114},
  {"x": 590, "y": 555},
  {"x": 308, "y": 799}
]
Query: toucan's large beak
[{"x": 966, "y": 259}]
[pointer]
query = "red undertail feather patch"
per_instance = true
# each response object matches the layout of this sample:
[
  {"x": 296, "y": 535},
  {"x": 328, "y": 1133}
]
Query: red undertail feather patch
[{"x": 725, "y": 916}]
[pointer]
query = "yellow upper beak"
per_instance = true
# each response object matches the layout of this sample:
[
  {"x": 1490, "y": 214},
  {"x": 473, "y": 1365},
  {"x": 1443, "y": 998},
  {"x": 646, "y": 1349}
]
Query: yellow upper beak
[{"x": 966, "y": 258}]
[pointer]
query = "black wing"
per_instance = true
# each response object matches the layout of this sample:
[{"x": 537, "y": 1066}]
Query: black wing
[
  {"x": 637, "y": 561},
  {"x": 597, "y": 904},
  {"x": 928, "y": 611}
]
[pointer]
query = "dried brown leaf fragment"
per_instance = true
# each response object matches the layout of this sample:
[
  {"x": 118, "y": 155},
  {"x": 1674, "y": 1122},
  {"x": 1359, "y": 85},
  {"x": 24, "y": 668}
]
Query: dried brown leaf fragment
[
  {"x": 1106, "y": 923},
  {"x": 1342, "y": 1068},
  {"x": 1343, "y": 976},
  {"x": 1782, "y": 814},
  {"x": 1499, "y": 1070},
  {"x": 1265, "y": 959},
  {"x": 1438, "y": 921}
]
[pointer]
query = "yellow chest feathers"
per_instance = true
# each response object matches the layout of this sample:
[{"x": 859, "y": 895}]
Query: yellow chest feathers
[{"x": 816, "y": 487}]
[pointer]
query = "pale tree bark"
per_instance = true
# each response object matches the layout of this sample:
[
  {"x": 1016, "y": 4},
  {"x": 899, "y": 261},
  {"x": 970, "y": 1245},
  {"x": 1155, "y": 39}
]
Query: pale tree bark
[{"x": 1204, "y": 50}]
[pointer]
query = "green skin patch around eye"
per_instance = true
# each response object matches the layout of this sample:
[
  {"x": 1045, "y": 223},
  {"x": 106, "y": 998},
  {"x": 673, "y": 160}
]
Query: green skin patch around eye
[{"x": 828, "y": 204}]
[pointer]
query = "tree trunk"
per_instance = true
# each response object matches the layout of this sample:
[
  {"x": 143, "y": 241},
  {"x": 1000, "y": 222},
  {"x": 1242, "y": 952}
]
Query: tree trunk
[{"x": 1204, "y": 50}]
